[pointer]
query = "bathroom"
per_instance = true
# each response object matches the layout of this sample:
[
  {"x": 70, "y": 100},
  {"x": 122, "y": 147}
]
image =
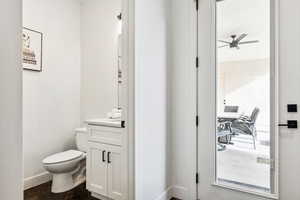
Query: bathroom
[{"x": 72, "y": 77}]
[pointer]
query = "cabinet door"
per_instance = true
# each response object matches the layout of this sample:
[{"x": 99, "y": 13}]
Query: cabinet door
[
  {"x": 116, "y": 173},
  {"x": 97, "y": 169}
]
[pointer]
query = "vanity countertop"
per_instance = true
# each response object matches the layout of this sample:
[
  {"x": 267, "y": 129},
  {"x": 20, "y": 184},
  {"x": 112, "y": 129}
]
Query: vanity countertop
[{"x": 105, "y": 122}]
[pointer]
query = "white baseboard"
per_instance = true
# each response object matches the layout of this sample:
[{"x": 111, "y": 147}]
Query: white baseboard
[
  {"x": 98, "y": 196},
  {"x": 179, "y": 192},
  {"x": 166, "y": 195},
  {"x": 174, "y": 191},
  {"x": 36, "y": 180}
]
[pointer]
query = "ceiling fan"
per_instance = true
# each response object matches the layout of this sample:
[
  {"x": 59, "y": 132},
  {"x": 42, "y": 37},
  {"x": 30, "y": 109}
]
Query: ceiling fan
[{"x": 236, "y": 42}]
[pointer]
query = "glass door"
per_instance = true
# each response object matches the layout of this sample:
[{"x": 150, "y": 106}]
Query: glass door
[{"x": 237, "y": 99}]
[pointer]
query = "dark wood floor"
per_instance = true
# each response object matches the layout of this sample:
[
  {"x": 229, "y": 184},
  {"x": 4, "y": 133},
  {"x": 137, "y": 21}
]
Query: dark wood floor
[{"x": 43, "y": 192}]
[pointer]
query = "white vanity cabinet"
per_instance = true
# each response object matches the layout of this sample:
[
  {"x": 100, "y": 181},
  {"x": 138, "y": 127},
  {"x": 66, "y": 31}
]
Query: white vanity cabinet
[
  {"x": 96, "y": 167},
  {"x": 107, "y": 162}
]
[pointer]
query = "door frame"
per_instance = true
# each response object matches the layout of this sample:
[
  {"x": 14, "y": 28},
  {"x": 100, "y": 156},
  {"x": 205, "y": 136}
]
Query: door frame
[
  {"x": 128, "y": 88},
  {"x": 274, "y": 100}
]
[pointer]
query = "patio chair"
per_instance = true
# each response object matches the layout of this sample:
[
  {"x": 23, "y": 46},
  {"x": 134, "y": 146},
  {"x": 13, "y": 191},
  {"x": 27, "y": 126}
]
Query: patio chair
[{"x": 246, "y": 125}]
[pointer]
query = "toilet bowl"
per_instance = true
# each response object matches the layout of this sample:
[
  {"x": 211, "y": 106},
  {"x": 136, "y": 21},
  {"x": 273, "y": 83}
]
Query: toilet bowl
[{"x": 68, "y": 168}]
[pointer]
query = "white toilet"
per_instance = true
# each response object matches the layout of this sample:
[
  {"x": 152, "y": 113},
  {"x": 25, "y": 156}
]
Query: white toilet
[{"x": 68, "y": 168}]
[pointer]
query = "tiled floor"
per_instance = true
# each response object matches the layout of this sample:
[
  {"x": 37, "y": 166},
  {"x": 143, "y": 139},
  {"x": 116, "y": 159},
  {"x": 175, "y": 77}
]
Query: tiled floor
[
  {"x": 43, "y": 192},
  {"x": 241, "y": 164}
]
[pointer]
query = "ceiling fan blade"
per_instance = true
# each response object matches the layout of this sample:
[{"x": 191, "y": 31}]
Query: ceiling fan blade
[
  {"x": 250, "y": 42},
  {"x": 224, "y": 41},
  {"x": 223, "y": 46},
  {"x": 241, "y": 37}
]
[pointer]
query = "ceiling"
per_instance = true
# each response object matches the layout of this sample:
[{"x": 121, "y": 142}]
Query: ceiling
[{"x": 235, "y": 17}]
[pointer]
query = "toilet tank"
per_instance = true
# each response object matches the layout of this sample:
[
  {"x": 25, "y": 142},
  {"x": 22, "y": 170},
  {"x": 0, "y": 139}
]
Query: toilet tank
[{"x": 81, "y": 139}]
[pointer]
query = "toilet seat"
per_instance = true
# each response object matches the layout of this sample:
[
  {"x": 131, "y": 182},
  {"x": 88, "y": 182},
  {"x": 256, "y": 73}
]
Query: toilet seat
[{"x": 63, "y": 157}]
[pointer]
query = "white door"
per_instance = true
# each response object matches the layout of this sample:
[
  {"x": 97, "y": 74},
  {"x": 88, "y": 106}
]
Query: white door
[
  {"x": 235, "y": 38},
  {"x": 115, "y": 173},
  {"x": 97, "y": 168}
]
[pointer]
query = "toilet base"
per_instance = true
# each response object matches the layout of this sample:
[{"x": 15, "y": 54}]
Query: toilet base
[
  {"x": 67, "y": 181},
  {"x": 64, "y": 182}
]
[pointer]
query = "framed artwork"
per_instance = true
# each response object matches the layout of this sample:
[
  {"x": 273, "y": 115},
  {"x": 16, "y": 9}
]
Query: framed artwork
[{"x": 32, "y": 50}]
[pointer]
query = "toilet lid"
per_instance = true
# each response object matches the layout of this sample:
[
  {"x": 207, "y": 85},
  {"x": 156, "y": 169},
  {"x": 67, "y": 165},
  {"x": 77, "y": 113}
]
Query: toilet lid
[{"x": 63, "y": 157}]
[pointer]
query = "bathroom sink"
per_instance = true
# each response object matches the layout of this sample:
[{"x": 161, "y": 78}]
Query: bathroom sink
[{"x": 105, "y": 122}]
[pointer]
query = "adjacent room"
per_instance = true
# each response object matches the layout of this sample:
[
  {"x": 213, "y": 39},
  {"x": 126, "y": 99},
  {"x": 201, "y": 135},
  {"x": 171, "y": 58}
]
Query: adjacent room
[{"x": 243, "y": 93}]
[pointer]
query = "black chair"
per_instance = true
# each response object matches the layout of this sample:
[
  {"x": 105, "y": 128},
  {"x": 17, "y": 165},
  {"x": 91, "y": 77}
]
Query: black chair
[
  {"x": 224, "y": 132},
  {"x": 246, "y": 125}
]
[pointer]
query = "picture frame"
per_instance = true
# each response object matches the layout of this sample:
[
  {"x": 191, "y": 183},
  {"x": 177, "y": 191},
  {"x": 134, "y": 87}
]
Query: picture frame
[{"x": 32, "y": 50}]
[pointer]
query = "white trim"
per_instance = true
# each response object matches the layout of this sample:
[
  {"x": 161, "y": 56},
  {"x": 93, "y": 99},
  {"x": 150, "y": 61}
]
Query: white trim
[
  {"x": 213, "y": 62},
  {"x": 99, "y": 196},
  {"x": 36, "y": 180},
  {"x": 174, "y": 191},
  {"x": 130, "y": 96},
  {"x": 275, "y": 89},
  {"x": 127, "y": 101},
  {"x": 166, "y": 195},
  {"x": 179, "y": 192},
  {"x": 244, "y": 190}
]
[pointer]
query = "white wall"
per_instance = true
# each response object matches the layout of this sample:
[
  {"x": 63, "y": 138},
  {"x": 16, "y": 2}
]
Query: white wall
[
  {"x": 99, "y": 41},
  {"x": 10, "y": 101},
  {"x": 246, "y": 84},
  {"x": 183, "y": 98},
  {"x": 151, "y": 106},
  {"x": 51, "y": 98}
]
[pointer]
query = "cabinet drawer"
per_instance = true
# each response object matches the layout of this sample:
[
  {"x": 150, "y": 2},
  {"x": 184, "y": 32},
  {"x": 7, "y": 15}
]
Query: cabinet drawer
[{"x": 108, "y": 135}]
